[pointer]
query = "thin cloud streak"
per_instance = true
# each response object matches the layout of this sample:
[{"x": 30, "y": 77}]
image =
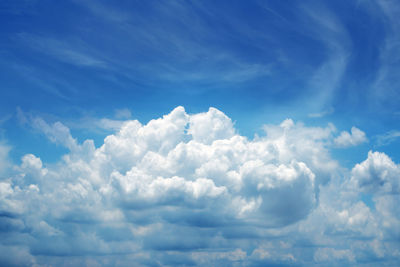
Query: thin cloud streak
[
  {"x": 61, "y": 50},
  {"x": 326, "y": 27},
  {"x": 386, "y": 88}
]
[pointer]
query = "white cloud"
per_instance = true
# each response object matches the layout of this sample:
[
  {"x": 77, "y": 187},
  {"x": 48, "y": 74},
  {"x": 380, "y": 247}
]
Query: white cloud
[
  {"x": 210, "y": 126},
  {"x": 388, "y": 209},
  {"x": 346, "y": 139},
  {"x": 109, "y": 124},
  {"x": 187, "y": 188},
  {"x": 322, "y": 113},
  {"x": 4, "y": 160},
  {"x": 378, "y": 173},
  {"x": 57, "y": 132}
]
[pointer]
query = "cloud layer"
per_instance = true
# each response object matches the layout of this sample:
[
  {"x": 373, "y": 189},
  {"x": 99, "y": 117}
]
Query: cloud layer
[{"x": 189, "y": 190}]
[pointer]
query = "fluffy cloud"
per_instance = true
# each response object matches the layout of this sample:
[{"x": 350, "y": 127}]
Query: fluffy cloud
[
  {"x": 378, "y": 173},
  {"x": 346, "y": 139},
  {"x": 188, "y": 190},
  {"x": 379, "y": 177}
]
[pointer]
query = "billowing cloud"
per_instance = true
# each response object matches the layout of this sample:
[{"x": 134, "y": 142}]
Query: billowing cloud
[
  {"x": 378, "y": 173},
  {"x": 187, "y": 189},
  {"x": 346, "y": 139}
]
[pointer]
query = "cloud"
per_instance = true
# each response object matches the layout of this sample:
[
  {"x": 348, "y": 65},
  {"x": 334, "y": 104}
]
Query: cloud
[
  {"x": 123, "y": 113},
  {"x": 379, "y": 176},
  {"x": 57, "y": 132},
  {"x": 323, "y": 25},
  {"x": 109, "y": 124},
  {"x": 322, "y": 113},
  {"x": 4, "y": 160},
  {"x": 387, "y": 138},
  {"x": 188, "y": 189},
  {"x": 384, "y": 91},
  {"x": 346, "y": 139},
  {"x": 378, "y": 173},
  {"x": 65, "y": 51},
  {"x": 326, "y": 254}
]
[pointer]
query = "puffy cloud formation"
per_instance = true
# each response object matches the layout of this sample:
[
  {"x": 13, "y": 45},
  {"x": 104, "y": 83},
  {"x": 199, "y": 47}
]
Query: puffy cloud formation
[
  {"x": 378, "y": 173},
  {"x": 188, "y": 190},
  {"x": 346, "y": 139}
]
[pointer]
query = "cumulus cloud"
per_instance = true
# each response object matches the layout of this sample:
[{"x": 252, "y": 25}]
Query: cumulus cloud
[
  {"x": 188, "y": 189},
  {"x": 346, "y": 139},
  {"x": 378, "y": 173}
]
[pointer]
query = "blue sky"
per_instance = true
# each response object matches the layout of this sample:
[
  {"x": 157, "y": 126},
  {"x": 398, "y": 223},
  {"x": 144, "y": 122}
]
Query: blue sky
[{"x": 136, "y": 118}]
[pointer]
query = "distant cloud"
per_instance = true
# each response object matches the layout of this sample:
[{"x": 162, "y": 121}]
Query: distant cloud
[
  {"x": 322, "y": 113},
  {"x": 123, "y": 113},
  {"x": 326, "y": 27},
  {"x": 387, "y": 138},
  {"x": 57, "y": 132},
  {"x": 21, "y": 117},
  {"x": 346, "y": 139}
]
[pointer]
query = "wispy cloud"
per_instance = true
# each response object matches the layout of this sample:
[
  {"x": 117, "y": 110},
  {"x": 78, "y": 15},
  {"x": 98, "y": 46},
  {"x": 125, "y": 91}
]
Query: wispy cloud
[
  {"x": 123, "y": 113},
  {"x": 59, "y": 132},
  {"x": 56, "y": 132},
  {"x": 385, "y": 91},
  {"x": 234, "y": 71},
  {"x": 322, "y": 113},
  {"x": 62, "y": 50},
  {"x": 43, "y": 81},
  {"x": 105, "y": 11},
  {"x": 323, "y": 25},
  {"x": 387, "y": 138},
  {"x": 179, "y": 50}
]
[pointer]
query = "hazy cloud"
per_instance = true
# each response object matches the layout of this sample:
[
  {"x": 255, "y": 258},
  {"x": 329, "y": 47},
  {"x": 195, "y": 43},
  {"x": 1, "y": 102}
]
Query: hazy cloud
[{"x": 386, "y": 139}]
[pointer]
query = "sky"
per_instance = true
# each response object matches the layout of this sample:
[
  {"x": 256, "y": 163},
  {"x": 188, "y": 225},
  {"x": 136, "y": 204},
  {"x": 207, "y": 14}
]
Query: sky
[{"x": 199, "y": 133}]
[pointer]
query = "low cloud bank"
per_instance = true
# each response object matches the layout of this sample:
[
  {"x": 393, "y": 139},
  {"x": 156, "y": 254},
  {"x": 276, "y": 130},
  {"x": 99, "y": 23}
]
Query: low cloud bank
[{"x": 189, "y": 190}]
